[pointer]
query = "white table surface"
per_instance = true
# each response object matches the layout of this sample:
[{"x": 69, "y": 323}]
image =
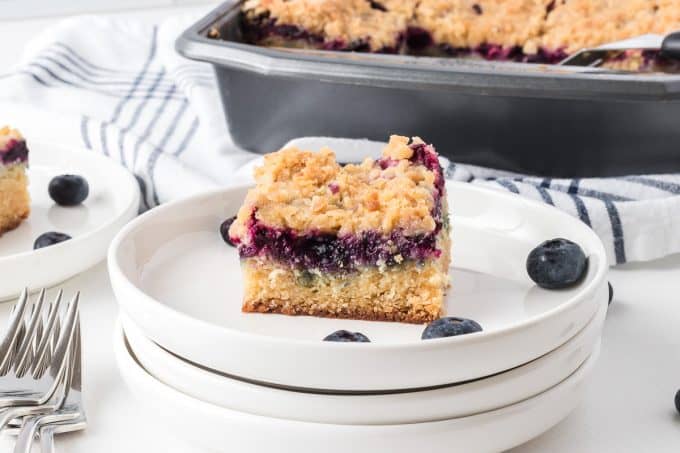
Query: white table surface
[{"x": 628, "y": 406}]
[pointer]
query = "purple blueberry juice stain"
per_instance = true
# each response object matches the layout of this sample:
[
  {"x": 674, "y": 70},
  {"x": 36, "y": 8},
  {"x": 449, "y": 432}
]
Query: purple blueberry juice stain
[
  {"x": 16, "y": 152},
  {"x": 425, "y": 155},
  {"x": 377, "y": 5},
  {"x": 418, "y": 38},
  {"x": 549, "y": 9}
]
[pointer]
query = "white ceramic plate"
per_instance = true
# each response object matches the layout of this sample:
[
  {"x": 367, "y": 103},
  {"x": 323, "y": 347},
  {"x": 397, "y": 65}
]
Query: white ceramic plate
[
  {"x": 176, "y": 279},
  {"x": 113, "y": 201},
  {"x": 444, "y": 403},
  {"x": 215, "y": 428}
]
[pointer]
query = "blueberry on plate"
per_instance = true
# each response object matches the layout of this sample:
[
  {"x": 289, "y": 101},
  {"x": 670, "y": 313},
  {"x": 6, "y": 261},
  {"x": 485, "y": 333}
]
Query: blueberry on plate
[
  {"x": 68, "y": 190},
  {"x": 450, "y": 327},
  {"x": 611, "y": 292},
  {"x": 224, "y": 230},
  {"x": 345, "y": 336},
  {"x": 556, "y": 264},
  {"x": 50, "y": 238},
  {"x": 677, "y": 401}
]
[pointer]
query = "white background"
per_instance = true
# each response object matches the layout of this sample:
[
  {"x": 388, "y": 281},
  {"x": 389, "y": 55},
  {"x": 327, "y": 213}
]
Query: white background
[{"x": 629, "y": 403}]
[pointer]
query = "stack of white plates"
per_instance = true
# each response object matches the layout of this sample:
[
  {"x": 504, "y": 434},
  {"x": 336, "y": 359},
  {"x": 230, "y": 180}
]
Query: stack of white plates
[{"x": 251, "y": 382}]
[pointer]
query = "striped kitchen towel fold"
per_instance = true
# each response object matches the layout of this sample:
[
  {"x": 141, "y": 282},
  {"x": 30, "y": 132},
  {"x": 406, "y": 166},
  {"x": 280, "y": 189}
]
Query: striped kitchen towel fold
[{"x": 119, "y": 88}]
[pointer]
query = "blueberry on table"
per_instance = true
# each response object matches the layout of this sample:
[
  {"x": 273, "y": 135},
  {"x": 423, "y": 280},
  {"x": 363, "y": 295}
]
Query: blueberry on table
[
  {"x": 556, "y": 264},
  {"x": 450, "y": 327},
  {"x": 224, "y": 230},
  {"x": 345, "y": 336},
  {"x": 611, "y": 292},
  {"x": 68, "y": 190},
  {"x": 677, "y": 401},
  {"x": 50, "y": 238}
]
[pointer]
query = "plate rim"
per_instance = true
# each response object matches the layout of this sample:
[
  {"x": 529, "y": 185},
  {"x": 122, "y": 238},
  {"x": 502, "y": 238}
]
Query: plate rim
[
  {"x": 130, "y": 370},
  {"x": 117, "y": 275},
  {"x": 162, "y": 365}
]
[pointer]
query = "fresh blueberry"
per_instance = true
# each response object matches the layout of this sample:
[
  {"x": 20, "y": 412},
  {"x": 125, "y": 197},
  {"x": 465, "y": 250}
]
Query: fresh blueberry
[
  {"x": 450, "y": 327},
  {"x": 345, "y": 336},
  {"x": 50, "y": 238},
  {"x": 555, "y": 264},
  {"x": 68, "y": 190},
  {"x": 611, "y": 292},
  {"x": 677, "y": 401},
  {"x": 224, "y": 230}
]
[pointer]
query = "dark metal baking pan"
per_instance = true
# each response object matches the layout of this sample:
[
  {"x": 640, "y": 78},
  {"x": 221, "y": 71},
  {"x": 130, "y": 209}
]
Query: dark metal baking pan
[{"x": 529, "y": 118}]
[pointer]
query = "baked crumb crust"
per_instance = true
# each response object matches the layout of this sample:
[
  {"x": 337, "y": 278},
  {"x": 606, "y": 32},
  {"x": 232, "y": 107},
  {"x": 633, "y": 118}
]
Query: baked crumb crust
[
  {"x": 534, "y": 26},
  {"x": 307, "y": 191},
  {"x": 14, "y": 197}
]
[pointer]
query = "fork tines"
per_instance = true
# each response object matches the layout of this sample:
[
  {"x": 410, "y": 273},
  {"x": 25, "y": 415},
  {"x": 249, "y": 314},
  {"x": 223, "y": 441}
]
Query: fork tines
[{"x": 34, "y": 334}]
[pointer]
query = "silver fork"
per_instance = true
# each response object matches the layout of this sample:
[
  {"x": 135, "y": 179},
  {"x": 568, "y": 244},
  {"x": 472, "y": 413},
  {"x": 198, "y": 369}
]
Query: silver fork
[
  {"x": 37, "y": 392},
  {"x": 70, "y": 412},
  {"x": 26, "y": 353}
]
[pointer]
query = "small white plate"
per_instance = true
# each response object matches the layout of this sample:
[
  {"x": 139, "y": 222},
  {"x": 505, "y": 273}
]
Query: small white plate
[
  {"x": 113, "y": 201},
  {"x": 459, "y": 400},
  {"x": 176, "y": 279},
  {"x": 214, "y": 428}
]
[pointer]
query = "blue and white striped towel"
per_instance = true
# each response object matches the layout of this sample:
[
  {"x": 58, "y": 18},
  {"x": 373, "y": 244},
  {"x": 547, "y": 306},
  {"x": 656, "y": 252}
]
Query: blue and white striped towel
[{"x": 119, "y": 88}]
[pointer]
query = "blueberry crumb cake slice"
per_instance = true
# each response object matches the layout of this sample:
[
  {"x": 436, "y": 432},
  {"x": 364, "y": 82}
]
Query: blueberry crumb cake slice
[
  {"x": 14, "y": 198},
  {"x": 361, "y": 241}
]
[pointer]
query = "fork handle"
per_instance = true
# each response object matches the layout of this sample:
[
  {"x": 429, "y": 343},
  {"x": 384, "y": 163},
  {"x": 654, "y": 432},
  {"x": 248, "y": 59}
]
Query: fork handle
[
  {"x": 47, "y": 439},
  {"x": 9, "y": 414},
  {"x": 26, "y": 435}
]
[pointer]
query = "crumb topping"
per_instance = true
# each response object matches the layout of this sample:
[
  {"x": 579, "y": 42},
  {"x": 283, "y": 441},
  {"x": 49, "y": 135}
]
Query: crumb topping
[
  {"x": 7, "y": 137},
  {"x": 575, "y": 24},
  {"x": 530, "y": 25},
  {"x": 471, "y": 23},
  {"x": 378, "y": 23},
  {"x": 309, "y": 191}
]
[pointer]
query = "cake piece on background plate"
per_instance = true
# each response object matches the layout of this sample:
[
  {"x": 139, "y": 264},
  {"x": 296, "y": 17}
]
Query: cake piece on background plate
[
  {"x": 14, "y": 197},
  {"x": 366, "y": 241}
]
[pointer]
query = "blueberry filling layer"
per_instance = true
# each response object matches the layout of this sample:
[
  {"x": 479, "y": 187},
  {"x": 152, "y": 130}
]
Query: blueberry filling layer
[
  {"x": 421, "y": 41},
  {"x": 496, "y": 52},
  {"x": 330, "y": 253},
  {"x": 417, "y": 40},
  {"x": 16, "y": 152}
]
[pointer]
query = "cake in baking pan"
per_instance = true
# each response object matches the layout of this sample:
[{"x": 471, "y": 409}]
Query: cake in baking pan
[{"x": 540, "y": 31}]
